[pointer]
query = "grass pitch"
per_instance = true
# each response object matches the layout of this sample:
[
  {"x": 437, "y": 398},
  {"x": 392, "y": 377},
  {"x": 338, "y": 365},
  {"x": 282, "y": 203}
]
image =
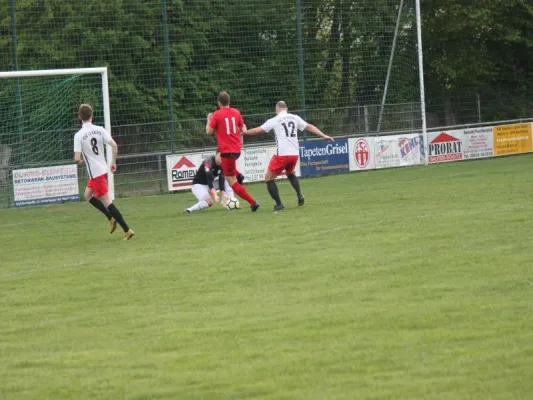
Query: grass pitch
[{"x": 395, "y": 284}]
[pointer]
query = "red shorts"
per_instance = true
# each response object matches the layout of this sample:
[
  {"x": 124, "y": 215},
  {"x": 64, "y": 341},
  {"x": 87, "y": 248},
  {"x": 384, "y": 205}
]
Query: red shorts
[
  {"x": 229, "y": 164},
  {"x": 99, "y": 185},
  {"x": 278, "y": 164}
]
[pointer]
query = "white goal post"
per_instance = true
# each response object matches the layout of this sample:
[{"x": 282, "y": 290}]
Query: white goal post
[
  {"x": 421, "y": 79},
  {"x": 102, "y": 71}
]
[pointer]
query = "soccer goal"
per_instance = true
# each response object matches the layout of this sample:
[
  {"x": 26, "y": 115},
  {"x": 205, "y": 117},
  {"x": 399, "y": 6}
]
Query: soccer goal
[{"x": 38, "y": 110}]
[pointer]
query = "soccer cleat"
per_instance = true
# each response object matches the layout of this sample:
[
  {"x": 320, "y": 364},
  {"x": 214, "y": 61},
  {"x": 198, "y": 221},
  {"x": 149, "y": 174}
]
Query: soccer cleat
[
  {"x": 301, "y": 200},
  {"x": 112, "y": 225},
  {"x": 129, "y": 234},
  {"x": 187, "y": 212},
  {"x": 255, "y": 207},
  {"x": 278, "y": 207},
  {"x": 240, "y": 178}
]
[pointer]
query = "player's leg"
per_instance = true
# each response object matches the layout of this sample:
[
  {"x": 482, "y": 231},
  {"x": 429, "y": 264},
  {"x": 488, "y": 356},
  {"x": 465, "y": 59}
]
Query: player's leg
[
  {"x": 293, "y": 179},
  {"x": 275, "y": 167},
  {"x": 229, "y": 167},
  {"x": 89, "y": 196},
  {"x": 201, "y": 192},
  {"x": 228, "y": 189},
  {"x": 101, "y": 191},
  {"x": 240, "y": 178},
  {"x": 272, "y": 187},
  {"x": 117, "y": 215}
]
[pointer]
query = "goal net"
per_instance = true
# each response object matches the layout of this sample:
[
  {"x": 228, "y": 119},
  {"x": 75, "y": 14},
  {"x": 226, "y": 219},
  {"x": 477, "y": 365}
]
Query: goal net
[
  {"x": 38, "y": 110},
  {"x": 349, "y": 67}
]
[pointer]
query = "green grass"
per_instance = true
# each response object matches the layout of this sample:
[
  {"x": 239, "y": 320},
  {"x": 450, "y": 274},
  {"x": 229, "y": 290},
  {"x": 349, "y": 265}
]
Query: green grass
[{"x": 396, "y": 284}]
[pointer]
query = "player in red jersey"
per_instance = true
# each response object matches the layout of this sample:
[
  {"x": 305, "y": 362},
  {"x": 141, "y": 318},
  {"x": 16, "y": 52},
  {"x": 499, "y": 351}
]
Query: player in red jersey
[{"x": 228, "y": 124}]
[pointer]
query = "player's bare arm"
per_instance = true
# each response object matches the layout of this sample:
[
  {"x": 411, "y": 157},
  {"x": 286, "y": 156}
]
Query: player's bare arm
[
  {"x": 314, "y": 130},
  {"x": 114, "y": 153},
  {"x": 254, "y": 131},
  {"x": 210, "y": 182},
  {"x": 208, "y": 130},
  {"x": 77, "y": 158}
]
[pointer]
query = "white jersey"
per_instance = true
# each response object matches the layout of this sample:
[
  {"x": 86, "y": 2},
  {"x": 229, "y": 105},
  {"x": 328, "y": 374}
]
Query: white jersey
[
  {"x": 286, "y": 127},
  {"x": 90, "y": 140}
]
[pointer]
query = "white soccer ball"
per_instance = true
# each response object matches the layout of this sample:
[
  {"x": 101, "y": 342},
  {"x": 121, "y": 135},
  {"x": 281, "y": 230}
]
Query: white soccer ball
[{"x": 233, "y": 204}]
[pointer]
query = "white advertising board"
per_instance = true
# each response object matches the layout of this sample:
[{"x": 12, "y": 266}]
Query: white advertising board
[
  {"x": 252, "y": 163},
  {"x": 398, "y": 150},
  {"x": 45, "y": 185},
  {"x": 361, "y": 153},
  {"x": 445, "y": 146},
  {"x": 478, "y": 142},
  {"x": 181, "y": 169}
]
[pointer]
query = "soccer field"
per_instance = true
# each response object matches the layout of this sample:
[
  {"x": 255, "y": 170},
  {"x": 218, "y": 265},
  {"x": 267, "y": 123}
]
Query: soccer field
[{"x": 395, "y": 284}]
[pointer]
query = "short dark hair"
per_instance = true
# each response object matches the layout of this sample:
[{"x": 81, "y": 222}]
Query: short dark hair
[
  {"x": 223, "y": 98},
  {"x": 85, "y": 112},
  {"x": 281, "y": 104}
]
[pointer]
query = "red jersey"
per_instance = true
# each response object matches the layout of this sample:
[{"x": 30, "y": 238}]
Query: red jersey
[{"x": 227, "y": 123}]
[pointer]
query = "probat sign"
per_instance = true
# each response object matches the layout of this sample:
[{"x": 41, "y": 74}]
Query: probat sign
[{"x": 445, "y": 146}]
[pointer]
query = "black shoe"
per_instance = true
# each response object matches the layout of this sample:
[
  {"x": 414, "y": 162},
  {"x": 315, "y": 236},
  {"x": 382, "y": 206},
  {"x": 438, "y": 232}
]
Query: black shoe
[
  {"x": 255, "y": 207},
  {"x": 186, "y": 212},
  {"x": 240, "y": 178},
  {"x": 278, "y": 207},
  {"x": 301, "y": 200}
]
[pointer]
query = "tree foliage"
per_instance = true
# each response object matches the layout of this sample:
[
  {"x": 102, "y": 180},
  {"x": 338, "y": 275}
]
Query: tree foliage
[
  {"x": 250, "y": 48},
  {"x": 479, "y": 47}
]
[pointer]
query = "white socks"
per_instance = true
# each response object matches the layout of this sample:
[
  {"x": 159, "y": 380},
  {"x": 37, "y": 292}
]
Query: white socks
[{"x": 199, "y": 206}]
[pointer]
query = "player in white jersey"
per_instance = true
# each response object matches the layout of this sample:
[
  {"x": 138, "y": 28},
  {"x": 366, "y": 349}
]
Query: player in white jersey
[
  {"x": 89, "y": 143},
  {"x": 285, "y": 126}
]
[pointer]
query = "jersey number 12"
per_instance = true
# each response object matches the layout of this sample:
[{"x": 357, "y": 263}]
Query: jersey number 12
[
  {"x": 227, "y": 125},
  {"x": 291, "y": 126}
]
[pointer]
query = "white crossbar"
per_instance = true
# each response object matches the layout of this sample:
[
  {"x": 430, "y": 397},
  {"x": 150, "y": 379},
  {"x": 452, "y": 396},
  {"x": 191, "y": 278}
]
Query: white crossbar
[{"x": 50, "y": 72}]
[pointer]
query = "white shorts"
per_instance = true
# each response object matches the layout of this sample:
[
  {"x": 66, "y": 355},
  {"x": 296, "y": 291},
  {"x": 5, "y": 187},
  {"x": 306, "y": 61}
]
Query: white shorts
[{"x": 201, "y": 192}]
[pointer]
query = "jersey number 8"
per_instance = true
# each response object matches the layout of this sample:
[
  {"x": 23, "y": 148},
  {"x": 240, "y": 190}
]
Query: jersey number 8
[{"x": 94, "y": 144}]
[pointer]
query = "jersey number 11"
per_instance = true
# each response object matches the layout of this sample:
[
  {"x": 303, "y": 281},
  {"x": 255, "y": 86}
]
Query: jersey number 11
[{"x": 234, "y": 125}]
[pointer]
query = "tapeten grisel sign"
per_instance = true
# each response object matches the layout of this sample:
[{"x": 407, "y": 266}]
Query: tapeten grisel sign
[{"x": 322, "y": 157}]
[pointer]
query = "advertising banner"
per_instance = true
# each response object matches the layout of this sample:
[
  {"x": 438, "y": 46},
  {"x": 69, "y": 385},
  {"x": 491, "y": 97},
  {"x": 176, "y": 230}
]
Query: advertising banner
[
  {"x": 512, "y": 139},
  {"x": 181, "y": 169},
  {"x": 410, "y": 149},
  {"x": 398, "y": 150},
  {"x": 322, "y": 157},
  {"x": 445, "y": 146},
  {"x": 477, "y": 143},
  {"x": 252, "y": 163},
  {"x": 45, "y": 185},
  {"x": 361, "y": 153},
  {"x": 386, "y": 155}
]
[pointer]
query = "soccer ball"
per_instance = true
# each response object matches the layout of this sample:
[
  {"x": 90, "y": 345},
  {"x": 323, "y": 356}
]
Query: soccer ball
[{"x": 233, "y": 204}]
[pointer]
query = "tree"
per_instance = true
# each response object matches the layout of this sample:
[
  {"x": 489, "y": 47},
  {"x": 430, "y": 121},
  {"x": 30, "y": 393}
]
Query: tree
[{"x": 479, "y": 44}]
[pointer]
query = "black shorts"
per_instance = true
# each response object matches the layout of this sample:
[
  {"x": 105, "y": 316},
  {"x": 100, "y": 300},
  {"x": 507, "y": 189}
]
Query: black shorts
[{"x": 230, "y": 155}]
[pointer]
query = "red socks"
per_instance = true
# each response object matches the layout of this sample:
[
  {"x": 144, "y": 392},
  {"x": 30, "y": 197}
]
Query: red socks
[{"x": 242, "y": 193}]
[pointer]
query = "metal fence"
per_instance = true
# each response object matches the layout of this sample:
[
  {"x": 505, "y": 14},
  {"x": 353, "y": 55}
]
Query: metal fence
[{"x": 350, "y": 68}]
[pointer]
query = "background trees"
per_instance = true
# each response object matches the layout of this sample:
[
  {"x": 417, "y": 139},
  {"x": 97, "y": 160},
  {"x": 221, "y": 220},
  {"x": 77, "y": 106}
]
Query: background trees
[{"x": 251, "y": 49}]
